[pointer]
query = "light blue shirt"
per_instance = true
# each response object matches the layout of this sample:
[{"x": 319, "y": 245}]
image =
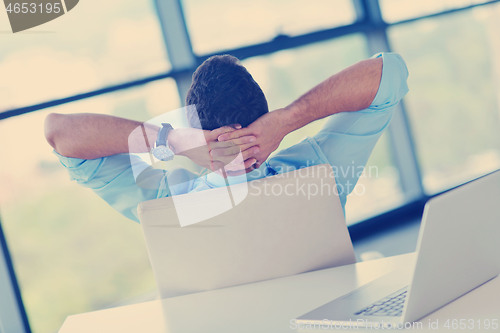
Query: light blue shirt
[{"x": 345, "y": 142}]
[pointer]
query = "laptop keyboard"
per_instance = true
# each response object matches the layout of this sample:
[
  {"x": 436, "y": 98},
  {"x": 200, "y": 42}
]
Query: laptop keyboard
[{"x": 391, "y": 305}]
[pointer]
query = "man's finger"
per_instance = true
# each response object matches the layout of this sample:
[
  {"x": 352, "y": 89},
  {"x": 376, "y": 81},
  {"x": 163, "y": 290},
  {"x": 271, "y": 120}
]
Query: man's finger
[
  {"x": 243, "y": 143},
  {"x": 248, "y": 163},
  {"x": 227, "y": 155},
  {"x": 228, "y": 151},
  {"x": 243, "y": 140},
  {"x": 249, "y": 153},
  {"x": 248, "y": 146},
  {"x": 224, "y": 144},
  {"x": 225, "y": 160},
  {"x": 235, "y": 134},
  {"x": 224, "y": 129}
]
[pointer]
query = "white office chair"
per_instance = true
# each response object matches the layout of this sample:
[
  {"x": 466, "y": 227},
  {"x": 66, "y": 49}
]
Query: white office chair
[{"x": 264, "y": 236}]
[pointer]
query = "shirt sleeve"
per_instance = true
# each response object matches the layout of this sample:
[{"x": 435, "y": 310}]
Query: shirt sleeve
[
  {"x": 347, "y": 139},
  {"x": 113, "y": 179}
]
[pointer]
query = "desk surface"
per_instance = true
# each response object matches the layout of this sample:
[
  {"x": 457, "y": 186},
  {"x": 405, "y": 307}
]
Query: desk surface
[{"x": 271, "y": 306}]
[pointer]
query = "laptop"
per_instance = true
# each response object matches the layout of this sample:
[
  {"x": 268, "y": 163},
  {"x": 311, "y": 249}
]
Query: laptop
[
  {"x": 273, "y": 227},
  {"x": 457, "y": 250}
]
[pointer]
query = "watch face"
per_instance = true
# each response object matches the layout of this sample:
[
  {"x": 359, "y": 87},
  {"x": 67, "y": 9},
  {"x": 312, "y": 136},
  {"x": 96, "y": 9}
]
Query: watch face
[{"x": 163, "y": 153}]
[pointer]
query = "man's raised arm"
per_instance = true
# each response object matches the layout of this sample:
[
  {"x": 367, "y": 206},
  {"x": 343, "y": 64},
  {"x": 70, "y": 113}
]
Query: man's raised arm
[
  {"x": 91, "y": 136},
  {"x": 352, "y": 89}
]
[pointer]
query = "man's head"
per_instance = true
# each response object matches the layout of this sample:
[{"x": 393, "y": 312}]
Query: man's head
[{"x": 224, "y": 93}]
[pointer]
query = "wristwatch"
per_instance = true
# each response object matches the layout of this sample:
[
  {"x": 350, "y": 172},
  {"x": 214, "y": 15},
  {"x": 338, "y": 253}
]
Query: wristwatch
[{"x": 161, "y": 149}]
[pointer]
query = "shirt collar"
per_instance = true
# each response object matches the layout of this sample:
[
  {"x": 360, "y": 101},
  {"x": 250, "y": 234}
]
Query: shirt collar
[{"x": 215, "y": 180}]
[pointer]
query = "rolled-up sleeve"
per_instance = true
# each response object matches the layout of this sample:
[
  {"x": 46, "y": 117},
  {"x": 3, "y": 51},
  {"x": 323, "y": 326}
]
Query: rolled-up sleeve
[
  {"x": 113, "y": 179},
  {"x": 393, "y": 83}
]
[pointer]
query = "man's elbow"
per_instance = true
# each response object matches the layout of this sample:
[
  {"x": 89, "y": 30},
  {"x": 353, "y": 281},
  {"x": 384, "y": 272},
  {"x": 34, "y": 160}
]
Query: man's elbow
[{"x": 53, "y": 128}]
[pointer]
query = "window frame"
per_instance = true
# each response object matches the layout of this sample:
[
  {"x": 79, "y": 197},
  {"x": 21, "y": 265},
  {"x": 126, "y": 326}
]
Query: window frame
[{"x": 14, "y": 317}]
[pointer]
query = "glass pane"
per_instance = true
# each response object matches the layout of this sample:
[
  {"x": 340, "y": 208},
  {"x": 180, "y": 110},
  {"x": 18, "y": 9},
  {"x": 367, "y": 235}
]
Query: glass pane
[
  {"x": 286, "y": 75},
  {"x": 96, "y": 44},
  {"x": 72, "y": 252},
  {"x": 454, "y": 87},
  {"x": 224, "y": 24},
  {"x": 397, "y": 10}
]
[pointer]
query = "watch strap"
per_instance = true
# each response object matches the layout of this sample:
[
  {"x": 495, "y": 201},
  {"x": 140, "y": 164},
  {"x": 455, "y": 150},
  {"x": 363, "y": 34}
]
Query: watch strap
[{"x": 161, "y": 139}]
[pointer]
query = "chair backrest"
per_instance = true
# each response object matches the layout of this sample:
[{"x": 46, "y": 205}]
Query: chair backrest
[{"x": 272, "y": 227}]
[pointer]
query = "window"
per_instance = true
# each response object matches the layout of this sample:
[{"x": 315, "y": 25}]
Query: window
[
  {"x": 96, "y": 44},
  {"x": 72, "y": 252},
  {"x": 398, "y": 10},
  {"x": 453, "y": 102},
  {"x": 224, "y": 24}
]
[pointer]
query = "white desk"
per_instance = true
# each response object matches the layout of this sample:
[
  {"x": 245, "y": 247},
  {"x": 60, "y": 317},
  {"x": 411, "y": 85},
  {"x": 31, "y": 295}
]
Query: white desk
[{"x": 270, "y": 306}]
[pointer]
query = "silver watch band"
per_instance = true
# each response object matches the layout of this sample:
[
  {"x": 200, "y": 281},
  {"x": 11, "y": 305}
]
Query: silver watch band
[{"x": 162, "y": 137}]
